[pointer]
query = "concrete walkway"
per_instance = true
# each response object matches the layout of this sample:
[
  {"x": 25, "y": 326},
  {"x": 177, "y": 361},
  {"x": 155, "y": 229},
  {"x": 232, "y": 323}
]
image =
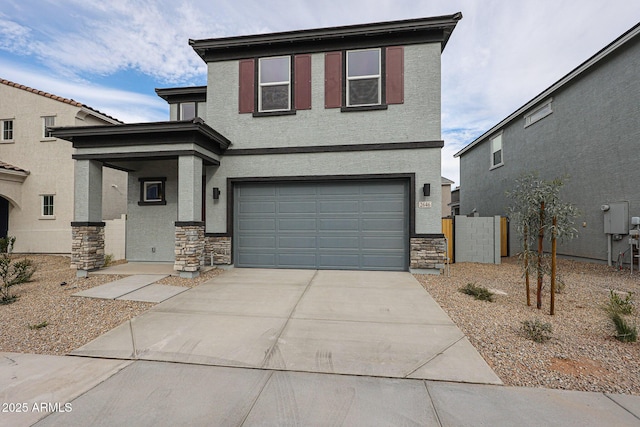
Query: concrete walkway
[
  {"x": 287, "y": 347},
  {"x": 347, "y": 322}
]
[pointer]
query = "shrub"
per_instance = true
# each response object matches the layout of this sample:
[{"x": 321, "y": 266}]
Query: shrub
[
  {"x": 39, "y": 325},
  {"x": 625, "y": 332},
  {"x": 536, "y": 331},
  {"x": 6, "y": 244},
  {"x": 478, "y": 292},
  {"x": 619, "y": 305},
  {"x": 108, "y": 259},
  {"x": 11, "y": 274}
]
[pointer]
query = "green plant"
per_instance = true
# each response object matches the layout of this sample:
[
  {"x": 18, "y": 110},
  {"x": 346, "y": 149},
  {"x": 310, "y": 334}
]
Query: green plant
[
  {"x": 536, "y": 330},
  {"x": 625, "y": 332},
  {"x": 6, "y": 244},
  {"x": 108, "y": 259},
  {"x": 478, "y": 292},
  {"x": 39, "y": 325},
  {"x": 11, "y": 274},
  {"x": 619, "y": 305}
]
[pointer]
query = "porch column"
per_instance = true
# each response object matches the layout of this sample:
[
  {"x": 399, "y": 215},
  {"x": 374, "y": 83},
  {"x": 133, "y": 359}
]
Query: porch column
[
  {"x": 87, "y": 229},
  {"x": 189, "y": 243}
]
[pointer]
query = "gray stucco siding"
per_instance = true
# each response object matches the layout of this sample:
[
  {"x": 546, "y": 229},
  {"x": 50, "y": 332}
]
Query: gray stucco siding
[
  {"x": 424, "y": 163},
  {"x": 592, "y": 136},
  {"x": 152, "y": 226},
  {"x": 418, "y": 119}
]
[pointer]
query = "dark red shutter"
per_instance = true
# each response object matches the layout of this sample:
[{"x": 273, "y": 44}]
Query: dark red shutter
[
  {"x": 302, "y": 88},
  {"x": 333, "y": 80},
  {"x": 246, "y": 91},
  {"x": 394, "y": 63}
]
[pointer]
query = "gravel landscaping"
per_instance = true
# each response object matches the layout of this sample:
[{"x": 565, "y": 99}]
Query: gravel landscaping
[
  {"x": 582, "y": 353},
  {"x": 70, "y": 321}
]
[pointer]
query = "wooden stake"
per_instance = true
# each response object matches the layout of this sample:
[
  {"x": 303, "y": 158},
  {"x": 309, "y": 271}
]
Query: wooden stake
[
  {"x": 553, "y": 268},
  {"x": 540, "y": 253}
]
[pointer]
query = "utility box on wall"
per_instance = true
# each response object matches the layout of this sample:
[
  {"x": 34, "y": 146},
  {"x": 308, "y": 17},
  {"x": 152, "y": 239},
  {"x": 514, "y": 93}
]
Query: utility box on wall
[{"x": 616, "y": 218}]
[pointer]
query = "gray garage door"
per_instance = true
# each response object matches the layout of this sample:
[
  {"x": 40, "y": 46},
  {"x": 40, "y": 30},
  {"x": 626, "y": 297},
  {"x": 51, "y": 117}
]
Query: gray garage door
[{"x": 324, "y": 225}]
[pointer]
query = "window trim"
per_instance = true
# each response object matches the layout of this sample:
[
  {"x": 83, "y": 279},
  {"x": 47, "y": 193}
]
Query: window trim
[
  {"x": 259, "y": 111},
  {"x": 531, "y": 118},
  {"x": 12, "y": 130},
  {"x": 43, "y": 206},
  {"x": 381, "y": 81},
  {"x": 493, "y": 138},
  {"x": 45, "y": 136},
  {"x": 144, "y": 182}
]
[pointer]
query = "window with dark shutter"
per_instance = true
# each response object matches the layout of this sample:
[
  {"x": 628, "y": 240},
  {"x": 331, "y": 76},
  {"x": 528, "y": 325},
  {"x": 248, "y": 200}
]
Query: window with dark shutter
[
  {"x": 333, "y": 80},
  {"x": 394, "y": 63},
  {"x": 302, "y": 86},
  {"x": 246, "y": 101}
]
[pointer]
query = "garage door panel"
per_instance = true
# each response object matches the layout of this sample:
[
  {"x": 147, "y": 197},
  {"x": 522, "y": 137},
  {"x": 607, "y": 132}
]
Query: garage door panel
[
  {"x": 381, "y": 242},
  {"x": 327, "y": 225},
  {"x": 338, "y": 224},
  {"x": 297, "y": 207},
  {"x": 257, "y": 242},
  {"x": 338, "y": 206},
  {"x": 383, "y": 225},
  {"x": 338, "y": 242},
  {"x": 383, "y": 206},
  {"x": 256, "y": 224},
  {"x": 297, "y": 242},
  {"x": 294, "y": 224},
  {"x": 257, "y": 207}
]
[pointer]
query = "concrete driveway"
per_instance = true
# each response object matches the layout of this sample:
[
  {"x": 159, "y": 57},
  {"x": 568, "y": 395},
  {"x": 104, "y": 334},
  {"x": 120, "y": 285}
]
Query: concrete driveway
[{"x": 381, "y": 324}]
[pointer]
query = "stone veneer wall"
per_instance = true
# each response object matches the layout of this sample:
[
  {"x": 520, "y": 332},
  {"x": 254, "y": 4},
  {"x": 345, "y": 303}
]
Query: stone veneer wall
[
  {"x": 427, "y": 252},
  {"x": 219, "y": 247},
  {"x": 189, "y": 247},
  {"x": 87, "y": 246}
]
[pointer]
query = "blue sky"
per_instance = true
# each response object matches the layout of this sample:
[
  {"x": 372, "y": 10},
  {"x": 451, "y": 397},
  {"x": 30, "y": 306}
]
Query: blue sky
[{"x": 111, "y": 55}]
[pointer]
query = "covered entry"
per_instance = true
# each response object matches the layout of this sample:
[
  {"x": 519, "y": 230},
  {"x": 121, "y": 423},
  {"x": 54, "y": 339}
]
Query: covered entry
[{"x": 322, "y": 224}]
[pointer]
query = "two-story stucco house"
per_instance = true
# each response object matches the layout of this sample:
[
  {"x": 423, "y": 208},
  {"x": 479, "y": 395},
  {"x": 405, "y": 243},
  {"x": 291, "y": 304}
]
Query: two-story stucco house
[
  {"x": 586, "y": 126},
  {"x": 36, "y": 169},
  {"x": 306, "y": 149}
]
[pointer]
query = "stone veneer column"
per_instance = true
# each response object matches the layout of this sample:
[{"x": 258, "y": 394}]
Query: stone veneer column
[
  {"x": 218, "y": 250},
  {"x": 189, "y": 248},
  {"x": 427, "y": 253},
  {"x": 87, "y": 246}
]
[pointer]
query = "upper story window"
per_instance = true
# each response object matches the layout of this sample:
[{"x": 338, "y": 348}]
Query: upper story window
[
  {"x": 539, "y": 113},
  {"x": 496, "y": 151},
  {"x": 187, "y": 110},
  {"x": 364, "y": 75},
  {"x": 366, "y": 79},
  {"x": 7, "y": 130},
  {"x": 47, "y": 121},
  {"x": 274, "y": 81}
]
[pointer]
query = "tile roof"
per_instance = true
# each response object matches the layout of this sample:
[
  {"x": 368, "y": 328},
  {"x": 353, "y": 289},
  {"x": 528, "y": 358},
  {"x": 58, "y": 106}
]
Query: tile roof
[
  {"x": 55, "y": 97},
  {"x": 7, "y": 166}
]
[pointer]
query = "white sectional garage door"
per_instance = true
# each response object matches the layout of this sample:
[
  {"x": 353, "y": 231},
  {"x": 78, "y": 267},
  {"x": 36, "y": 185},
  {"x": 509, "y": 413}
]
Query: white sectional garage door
[{"x": 324, "y": 225}]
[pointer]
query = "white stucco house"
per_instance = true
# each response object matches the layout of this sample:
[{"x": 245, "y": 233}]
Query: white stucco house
[
  {"x": 307, "y": 149},
  {"x": 36, "y": 169}
]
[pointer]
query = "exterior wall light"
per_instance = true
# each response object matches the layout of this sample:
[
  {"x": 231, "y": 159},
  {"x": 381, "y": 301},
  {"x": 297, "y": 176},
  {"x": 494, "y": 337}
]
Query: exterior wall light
[
  {"x": 426, "y": 190},
  {"x": 216, "y": 193}
]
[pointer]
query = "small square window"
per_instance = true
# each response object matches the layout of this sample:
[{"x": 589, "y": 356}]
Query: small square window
[
  {"x": 7, "y": 130},
  {"x": 363, "y": 77},
  {"x": 152, "y": 191},
  {"x": 496, "y": 151},
  {"x": 274, "y": 84},
  {"x": 47, "y": 205},
  {"x": 47, "y": 121},
  {"x": 187, "y": 111}
]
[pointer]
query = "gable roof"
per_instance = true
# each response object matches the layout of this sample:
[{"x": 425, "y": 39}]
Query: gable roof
[
  {"x": 573, "y": 75},
  {"x": 72, "y": 102},
  {"x": 380, "y": 34}
]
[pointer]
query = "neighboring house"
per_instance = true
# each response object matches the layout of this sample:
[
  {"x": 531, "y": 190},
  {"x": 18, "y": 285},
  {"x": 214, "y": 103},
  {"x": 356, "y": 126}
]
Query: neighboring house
[
  {"x": 36, "y": 169},
  {"x": 446, "y": 196},
  {"x": 306, "y": 149},
  {"x": 454, "y": 205},
  {"x": 586, "y": 126}
]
